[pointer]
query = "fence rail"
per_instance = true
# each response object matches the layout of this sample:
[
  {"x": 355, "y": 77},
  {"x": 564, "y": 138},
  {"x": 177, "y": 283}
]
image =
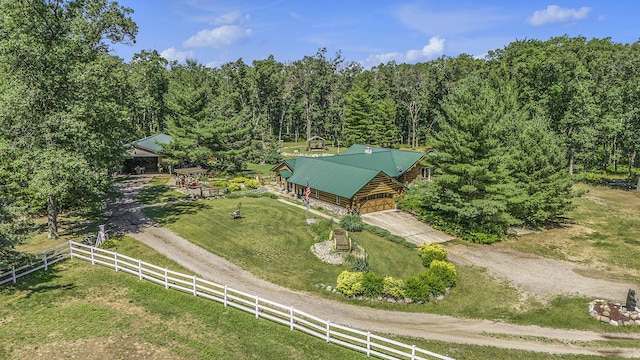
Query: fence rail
[{"x": 362, "y": 341}]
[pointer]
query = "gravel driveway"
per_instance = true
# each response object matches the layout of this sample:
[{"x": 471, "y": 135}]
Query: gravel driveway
[{"x": 127, "y": 216}]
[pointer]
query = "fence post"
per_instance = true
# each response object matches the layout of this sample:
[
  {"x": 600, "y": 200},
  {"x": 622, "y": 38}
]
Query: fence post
[
  {"x": 328, "y": 331},
  {"x": 368, "y": 343},
  {"x": 93, "y": 262},
  {"x": 291, "y": 327},
  {"x": 44, "y": 258},
  {"x": 257, "y": 307},
  {"x": 70, "y": 249},
  {"x": 13, "y": 274},
  {"x": 166, "y": 278},
  {"x": 225, "y": 296},
  {"x": 413, "y": 352},
  {"x": 139, "y": 269},
  {"x": 195, "y": 290},
  {"x": 115, "y": 257}
]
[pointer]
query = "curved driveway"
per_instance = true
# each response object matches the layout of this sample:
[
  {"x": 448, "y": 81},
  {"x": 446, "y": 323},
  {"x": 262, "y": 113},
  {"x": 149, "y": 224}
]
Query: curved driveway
[{"x": 126, "y": 216}]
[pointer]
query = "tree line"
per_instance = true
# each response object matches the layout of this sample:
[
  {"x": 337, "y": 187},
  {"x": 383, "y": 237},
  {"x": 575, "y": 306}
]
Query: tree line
[{"x": 68, "y": 107}]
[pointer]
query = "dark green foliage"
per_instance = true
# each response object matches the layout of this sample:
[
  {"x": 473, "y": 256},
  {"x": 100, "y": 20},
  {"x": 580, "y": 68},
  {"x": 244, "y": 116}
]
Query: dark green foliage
[
  {"x": 359, "y": 264},
  {"x": 351, "y": 223},
  {"x": 372, "y": 284},
  {"x": 417, "y": 289}
]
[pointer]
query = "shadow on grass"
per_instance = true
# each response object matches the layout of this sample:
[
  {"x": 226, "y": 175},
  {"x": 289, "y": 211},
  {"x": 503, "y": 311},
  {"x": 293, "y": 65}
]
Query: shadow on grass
[
  {"x": 167, "y": 214},
  {"x": 37, "y": 282}
]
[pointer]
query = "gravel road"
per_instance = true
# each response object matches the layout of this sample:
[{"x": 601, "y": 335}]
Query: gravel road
[{"x": 126, "y": 216}]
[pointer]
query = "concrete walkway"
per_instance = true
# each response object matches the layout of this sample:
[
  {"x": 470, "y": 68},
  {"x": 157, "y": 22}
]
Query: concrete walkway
[{"x": 406, "y": 225}]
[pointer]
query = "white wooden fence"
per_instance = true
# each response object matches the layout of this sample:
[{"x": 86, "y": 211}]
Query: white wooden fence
[{"x": 362, "y": 341}]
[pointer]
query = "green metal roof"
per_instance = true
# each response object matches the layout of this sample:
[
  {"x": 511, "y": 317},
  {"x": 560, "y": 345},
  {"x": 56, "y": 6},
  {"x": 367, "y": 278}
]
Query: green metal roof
[
  {"x": 331, "y": 177},
  {"x": 390, "y": 161},
  {"x": 154, "y": 142},
  {"x": 285, "y": 174}
]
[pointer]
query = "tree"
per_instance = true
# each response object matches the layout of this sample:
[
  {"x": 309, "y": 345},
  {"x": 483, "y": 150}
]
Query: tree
[
  {"x": 470, "y": 190},
  {"x": 62, "y": 104},
  {"x": 189, "y": 118},
  {"x": 150, "y": 83}
]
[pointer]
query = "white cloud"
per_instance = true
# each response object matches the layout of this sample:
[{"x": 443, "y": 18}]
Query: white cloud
[
  {"x": 554, "y": 13},
  {"x": 434, "y": 48},
  {"x": 234, "y": 17},
  {"x": 223, "y": 35},
  {"x": 172, "y": 54}
]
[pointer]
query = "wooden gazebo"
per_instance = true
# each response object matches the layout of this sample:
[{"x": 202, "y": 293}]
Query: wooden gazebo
[{"x": 316, "y": 143}]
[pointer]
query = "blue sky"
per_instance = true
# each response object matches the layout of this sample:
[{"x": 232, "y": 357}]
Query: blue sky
[{"x": 215, "y": 32}]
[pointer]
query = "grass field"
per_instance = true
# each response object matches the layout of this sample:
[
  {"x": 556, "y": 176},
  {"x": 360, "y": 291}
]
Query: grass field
[
  {"x": 603, "y": 232},
  {"x": 273, "y": 241},
  {"x": 81, "y": 311}
]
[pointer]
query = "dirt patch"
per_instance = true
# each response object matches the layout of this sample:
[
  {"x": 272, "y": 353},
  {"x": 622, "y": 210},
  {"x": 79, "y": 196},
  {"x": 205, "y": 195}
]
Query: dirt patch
[{"x": 95, "y": 348}]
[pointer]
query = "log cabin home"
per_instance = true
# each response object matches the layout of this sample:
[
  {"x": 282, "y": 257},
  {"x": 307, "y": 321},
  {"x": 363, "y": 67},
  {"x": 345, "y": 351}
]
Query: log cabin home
[{"x": 361, "y": 180}]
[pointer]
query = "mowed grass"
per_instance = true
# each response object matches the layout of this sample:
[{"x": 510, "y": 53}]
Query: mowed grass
[
  {"x": 79, "y": 310},
  {"x": 273, "y": 241},
  {"x": 76, "y": 310},
  {"x": 603, "y": 232}
]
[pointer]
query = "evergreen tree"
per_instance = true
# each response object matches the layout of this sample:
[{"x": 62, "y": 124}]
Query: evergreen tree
[{"x": 471, "y": 186}]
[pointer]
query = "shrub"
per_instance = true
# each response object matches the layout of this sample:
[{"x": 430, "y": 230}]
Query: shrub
[
  {"x": 219, "y": 183},
  {"x": 351, "y": 223},
  {"x": 251, "y": 184},
  {"x": 393, "y": 287},
  {"x": 434, "y": 282},
  {"x": 445, "y": 271},
  {"x": 372, "y": 285},
  {"x": 431, "y": 252},
  {"x": 234, "y": 186},
  {"x": 360, "y": 264},
  {"x": 417, "y": 289},
  {"x": 350, "y": 283},
  {"x": 240, "y": 179}
]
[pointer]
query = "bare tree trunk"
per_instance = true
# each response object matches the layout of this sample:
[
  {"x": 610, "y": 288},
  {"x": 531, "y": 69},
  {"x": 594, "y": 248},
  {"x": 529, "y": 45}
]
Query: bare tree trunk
[
  {"x": 632, "y": 160},
  {"x": 571, "y": 161},
  {"x": 52, "y": 217}
]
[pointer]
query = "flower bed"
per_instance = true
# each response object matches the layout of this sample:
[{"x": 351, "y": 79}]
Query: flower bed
[{"x": 613, "y": 313}]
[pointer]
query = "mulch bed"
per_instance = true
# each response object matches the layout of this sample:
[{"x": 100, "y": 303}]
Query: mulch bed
[{"x": 613, "y": 313}]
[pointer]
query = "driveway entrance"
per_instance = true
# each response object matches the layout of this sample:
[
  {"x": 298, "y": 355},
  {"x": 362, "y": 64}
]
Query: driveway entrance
[{"x": 406, "y": 225}]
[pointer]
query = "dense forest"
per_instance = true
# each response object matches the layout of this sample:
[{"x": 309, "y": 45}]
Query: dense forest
[{"x": 533, "y": 113}]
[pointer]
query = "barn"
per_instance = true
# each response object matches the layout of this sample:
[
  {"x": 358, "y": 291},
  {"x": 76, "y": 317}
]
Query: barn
[
  {"x": 361, "y": 180},
  {"x": 145, "y": 155}
]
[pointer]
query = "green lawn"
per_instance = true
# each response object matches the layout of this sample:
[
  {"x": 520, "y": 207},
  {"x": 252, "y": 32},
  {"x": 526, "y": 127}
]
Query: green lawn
[
  {"x": 78, "y": 310},
  {"x": 273, "y": 241}
]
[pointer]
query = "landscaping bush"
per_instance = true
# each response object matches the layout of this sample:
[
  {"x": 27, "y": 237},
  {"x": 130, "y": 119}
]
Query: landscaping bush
[
  {"x": 234, "y": 186},
  {"x": 251, "y": 184},
  {"x": 417, "y": 289},
  {"x": 350, "y": 283},
  {"x": 431, "y": 252},
  {"x": 240, "y": 179},
  {"x": 434, "y": 282},
  {"x": 219, "y": 183},
  {"x": 373, "y": 285},
  {"x": 445, "y": 271},
  {"x": 393, "y": 287},
  {"x": 351, "y": 223},
  {"x": 360, "y": 264}
]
